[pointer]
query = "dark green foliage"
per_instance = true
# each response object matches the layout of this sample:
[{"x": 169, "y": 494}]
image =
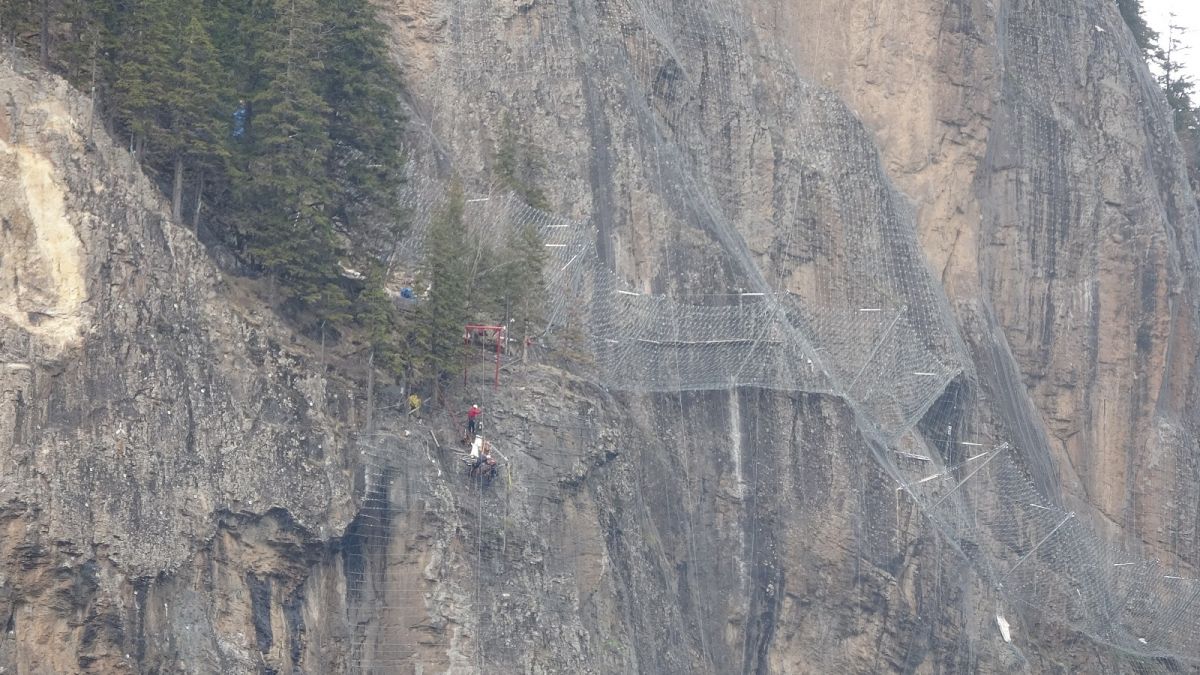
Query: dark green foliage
[
  {"x": 86, "y": 41},
  {"x": 374, "y": 311},
  {"x": 364, "y": 120},
  {"x": 523, "y": 281},
  {"x": 142, "y": 68},
  {"x": 17, "y": 20},
  {"x": 519, "y": 166},
  {"x": 308, "y": 194},
  {"x": 1177, "y": 87},
  {"x": 310, "y": 190},
  {"x": 284, "y": 196},
  {"x": 1179, "y": 93},
  {"x": 27, "y": 23},
  {"x": 196, "y": 90},
  {"x": 442, "y": 317},
  {"x": 518, "y": 281},
  {"x": 506, "y": 285},
  {"x": 1131, "y": 12},
  {"x": 1179, "y": 90},
  {"x": 194, "y": 129}
]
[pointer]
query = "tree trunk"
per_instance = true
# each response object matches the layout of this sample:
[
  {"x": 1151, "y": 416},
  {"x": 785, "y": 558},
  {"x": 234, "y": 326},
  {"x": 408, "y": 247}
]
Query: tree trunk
[
  {"x": 199, "y": 202},
  {"x": 525, "y": 330},
  {"x": 323, "y": 349},
  {"x": 177, "y": 192},
  {"x": 92, "y": 108},
  {"x": 44, "y": 35},
  {"x": 370, "y": 389}
]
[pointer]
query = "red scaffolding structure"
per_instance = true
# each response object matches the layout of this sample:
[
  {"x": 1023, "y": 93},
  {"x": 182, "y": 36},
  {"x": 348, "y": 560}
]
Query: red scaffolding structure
[{"x": 496, "y": 333}]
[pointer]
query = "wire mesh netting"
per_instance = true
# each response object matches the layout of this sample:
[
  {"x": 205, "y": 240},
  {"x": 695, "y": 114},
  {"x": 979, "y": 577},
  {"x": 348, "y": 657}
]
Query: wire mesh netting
[
  {"x": 853, "y": 312},
  {"x": 915, "y": 394}
]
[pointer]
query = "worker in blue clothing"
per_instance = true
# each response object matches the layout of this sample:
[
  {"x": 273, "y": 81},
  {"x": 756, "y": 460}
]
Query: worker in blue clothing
[{"x": 239, "y": 119}]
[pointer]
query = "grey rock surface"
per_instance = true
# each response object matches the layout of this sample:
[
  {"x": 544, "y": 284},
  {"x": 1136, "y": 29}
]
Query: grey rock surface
[
  {"x": 186, "y": 486},
  {"x": 142, "y": 413}
]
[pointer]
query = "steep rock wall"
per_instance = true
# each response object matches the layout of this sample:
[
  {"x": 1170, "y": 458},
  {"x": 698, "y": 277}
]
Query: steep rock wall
[
  {"x": 1045, "y": 184},
  {"x": 147, "y": 422},
  {"x": 184, "y": 490},
  {"x": 1049, "y": 192}
]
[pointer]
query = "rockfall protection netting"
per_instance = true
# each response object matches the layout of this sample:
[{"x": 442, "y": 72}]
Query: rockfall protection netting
[
  {"x": 387, "y": 609},
  {"x": 867, "y": 321},
  {"x": 396, "y": 554},
  {"x": 902, "y": 370}
]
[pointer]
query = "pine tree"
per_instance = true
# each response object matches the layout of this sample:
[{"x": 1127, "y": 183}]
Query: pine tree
[
  {"x": 17, "y": 20},
  {"x": 526, "y": 283},
  {"x": 365, "y": 163},
  {"x": 365, "y": 125},
  {"x": 142, "y": 71},
  {"x": 195, "y": 89},
  {"x": 519, "y": 166},
  {"x": 312, "y": 187},
  {"x": 377, "y": 315},
  {"x": 1131, "y": 12},
  {"x": 1177, "y": 86},
  {"x": 1179, "y": 90},
  {"x": 238, "y": 29},
  {"x": 285, "y": 195},
  {"x": 444, "y": 314},
  {"x": 81, "y": 49},
  {"x": 45, "y": 14}
]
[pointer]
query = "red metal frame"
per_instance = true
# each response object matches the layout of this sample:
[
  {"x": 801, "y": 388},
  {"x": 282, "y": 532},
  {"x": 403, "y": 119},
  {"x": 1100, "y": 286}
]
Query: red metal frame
[{"x": 499, "y": 332}]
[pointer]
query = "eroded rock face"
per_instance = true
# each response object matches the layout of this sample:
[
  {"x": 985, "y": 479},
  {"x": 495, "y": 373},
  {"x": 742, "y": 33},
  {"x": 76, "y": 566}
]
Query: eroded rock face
[
  {"x": 45, "y": 289},
  {"x": 182, "y": 484},
  {"x": 141, "y": 413},
  {"x": 1046, "y": 187},
  {"x": 1050, "y": 194},
  {"x": 1047, "y": 193}
]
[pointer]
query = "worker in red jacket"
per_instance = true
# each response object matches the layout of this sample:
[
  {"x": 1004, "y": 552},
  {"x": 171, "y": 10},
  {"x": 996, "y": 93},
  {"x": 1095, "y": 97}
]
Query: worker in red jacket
[{"x": 471, "y": 424}]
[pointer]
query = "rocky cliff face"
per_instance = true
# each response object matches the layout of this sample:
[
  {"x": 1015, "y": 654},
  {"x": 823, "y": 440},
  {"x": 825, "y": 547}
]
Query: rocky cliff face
[
  {"x": 1050, "y": 197},
  {"x": 188, "y": 487},
  {"x": 1046, "y": 187},
  {"x": 164, "y": 448}
]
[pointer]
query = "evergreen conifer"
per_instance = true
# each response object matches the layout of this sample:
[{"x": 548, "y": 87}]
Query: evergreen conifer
[
  {"x": 444, "y": 314},
  {"x": 196, "y": 87},
  {"x": 1131, "y": 12},
  {"x": 285, "y": 194},
  {"x": 143, "y": 68},
  {"x": 519, "y": 166},
  {"x": 365, "y": 125},
  {"x": 526, "y": 283}
]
